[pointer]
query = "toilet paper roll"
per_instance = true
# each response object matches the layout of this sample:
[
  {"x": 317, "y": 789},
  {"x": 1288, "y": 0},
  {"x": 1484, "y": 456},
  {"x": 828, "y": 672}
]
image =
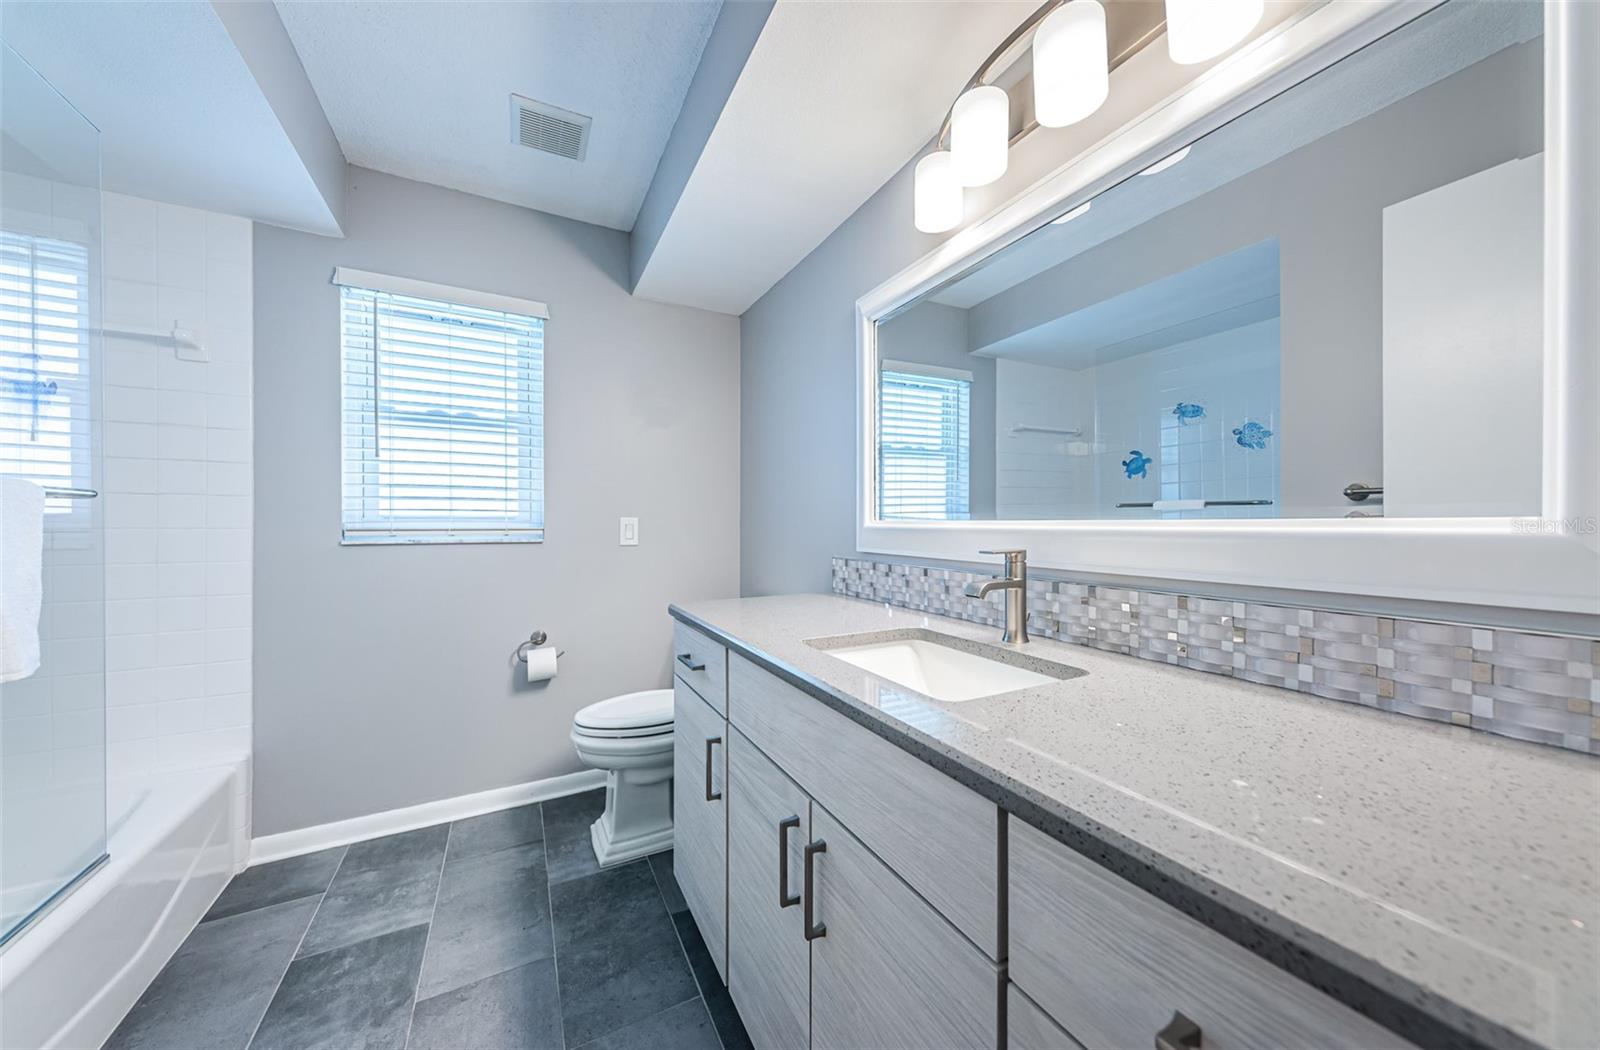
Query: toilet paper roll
[{"x": 541, "y": 664}]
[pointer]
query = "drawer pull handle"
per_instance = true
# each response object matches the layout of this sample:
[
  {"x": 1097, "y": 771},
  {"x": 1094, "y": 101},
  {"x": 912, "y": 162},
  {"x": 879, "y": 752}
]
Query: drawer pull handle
[
  {"x": 687, "y": 660},
  {"x": 711, "y": 796},
  {"x": 1179, "y": 1034},
  {"x": 784, "y": 899},
  {"x": 813, "y": 929}
]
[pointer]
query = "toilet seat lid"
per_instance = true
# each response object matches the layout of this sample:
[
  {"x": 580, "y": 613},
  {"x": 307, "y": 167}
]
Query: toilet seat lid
[{"x": 647, "y": 709}]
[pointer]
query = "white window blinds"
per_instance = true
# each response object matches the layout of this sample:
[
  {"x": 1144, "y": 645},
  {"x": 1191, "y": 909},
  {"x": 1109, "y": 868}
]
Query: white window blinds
[
  {"x": 924, "y": 443},
  {"x": 44, "y": 362},
  {"x": 443, "y": 420}
]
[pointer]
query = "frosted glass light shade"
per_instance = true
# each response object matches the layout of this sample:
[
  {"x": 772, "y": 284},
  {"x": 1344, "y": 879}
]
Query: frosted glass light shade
[
  {"x": 1198, "y": 30},
  {"x": 980, "y": 133},
  {"x": 936, "y": 194},
  {"x": 1071, "y": 74}
]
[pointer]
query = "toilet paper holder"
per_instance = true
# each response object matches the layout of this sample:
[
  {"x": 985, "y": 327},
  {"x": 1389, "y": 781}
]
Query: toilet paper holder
[{"x": 536, "y": 639}]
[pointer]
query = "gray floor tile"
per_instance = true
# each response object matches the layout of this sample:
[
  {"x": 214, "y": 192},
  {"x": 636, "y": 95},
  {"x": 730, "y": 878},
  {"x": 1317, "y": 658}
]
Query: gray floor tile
[
  {"x": 403, "y": 857},
  {"x": 352, "y": 998},
  {"x": 618, "y": 951},
  {"x": 279, "y": 881},
  {"x": 682, "y": 1027},
  {"x": 361, "y": 906},
  {"x": 515, "y": 1010},
  {"x": 493, "y": 831},
  {"x": 719, "y": 1004},
  {"x": 661, "y": 864},
  {"x": 216, "y": 987},
  {"x": 493, "y": 915},
  {"x": 566, "y": 834}
]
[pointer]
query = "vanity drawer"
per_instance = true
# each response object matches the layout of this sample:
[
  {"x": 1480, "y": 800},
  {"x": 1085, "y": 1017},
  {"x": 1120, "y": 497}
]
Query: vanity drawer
[
  {"x": 940, "y": 837},
  {"x": 702, "y": 664},
  {"x": 1113, "y": 964}
]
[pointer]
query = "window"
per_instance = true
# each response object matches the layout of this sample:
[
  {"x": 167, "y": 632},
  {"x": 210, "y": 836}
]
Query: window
[
  {"x": 44, "y": 358},
  {"x": 443, "y": 413},
  {"x": 924, "y": 442}
]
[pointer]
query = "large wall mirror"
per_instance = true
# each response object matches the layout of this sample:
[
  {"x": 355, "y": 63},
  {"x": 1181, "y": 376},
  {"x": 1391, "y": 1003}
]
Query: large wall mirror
[
  {"x": 1313, "y": 297},
  {"x": 1328, "y": 307}
]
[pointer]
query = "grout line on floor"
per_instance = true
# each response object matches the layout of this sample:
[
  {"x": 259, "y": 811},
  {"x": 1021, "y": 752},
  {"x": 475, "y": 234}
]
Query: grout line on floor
[
  {"x": 278, "y": 987},
  {"x": 683, "y": 950},
  {"x": 550, "y": 903},
  {"x": 433, "y": 913}
]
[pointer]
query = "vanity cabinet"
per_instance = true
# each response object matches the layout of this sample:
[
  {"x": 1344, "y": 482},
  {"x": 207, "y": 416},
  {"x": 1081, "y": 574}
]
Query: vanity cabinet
[
  {"x": 1117, "y": 967},
  {"x": 830, "y": 942},
  {"x": 769, "y": 957},
  {"x": 700, "y": 816},
  {"x": 940, "y": 836},
  {"x": 886, "y": 969}
]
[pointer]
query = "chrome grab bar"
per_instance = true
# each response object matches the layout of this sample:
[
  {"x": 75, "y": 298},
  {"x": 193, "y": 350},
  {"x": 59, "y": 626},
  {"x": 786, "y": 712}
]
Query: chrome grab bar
[{"x": 1357, "y": 491}]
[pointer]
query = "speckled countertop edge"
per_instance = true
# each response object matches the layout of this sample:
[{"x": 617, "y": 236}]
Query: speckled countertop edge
[{"x": 1418, "y": 1014}]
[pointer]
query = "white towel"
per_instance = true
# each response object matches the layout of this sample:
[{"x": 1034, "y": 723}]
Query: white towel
[{"x": 21, "y": 577}]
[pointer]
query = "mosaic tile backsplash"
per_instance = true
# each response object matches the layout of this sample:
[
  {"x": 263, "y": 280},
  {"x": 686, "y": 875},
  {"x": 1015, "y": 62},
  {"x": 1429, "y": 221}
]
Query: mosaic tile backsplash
[{"x": 1535, "y": 687}]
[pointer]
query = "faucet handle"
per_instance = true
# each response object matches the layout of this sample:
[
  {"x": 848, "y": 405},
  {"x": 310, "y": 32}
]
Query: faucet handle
[{"x": 1016, "y": 559}]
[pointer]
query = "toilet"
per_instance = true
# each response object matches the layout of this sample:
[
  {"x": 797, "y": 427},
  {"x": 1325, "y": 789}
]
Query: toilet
[{"x": 630, "y": 737}]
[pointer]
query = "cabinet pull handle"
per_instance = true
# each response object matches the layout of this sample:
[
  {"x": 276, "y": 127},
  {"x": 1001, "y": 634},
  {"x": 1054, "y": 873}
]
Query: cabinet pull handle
[
  {"x": 711, "y": 796},
  {"x": 784, "y": 899},
  {"x": 813, "y": 929},
  {"x": 687, "y": 660},
  {"x": 1179, "y": 1034}
]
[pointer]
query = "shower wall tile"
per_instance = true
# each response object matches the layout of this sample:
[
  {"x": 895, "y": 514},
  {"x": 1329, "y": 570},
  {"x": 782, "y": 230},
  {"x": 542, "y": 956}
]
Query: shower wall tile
[
  {"x": 1543, "y": 688},
  {"x": 178, "y": 492}
]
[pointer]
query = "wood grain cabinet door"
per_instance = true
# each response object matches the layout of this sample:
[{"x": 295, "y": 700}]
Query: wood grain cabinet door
[
  {"x": 700, "y": 817},
  {"x": 769, "y": 959},
  {"x": 886, "y": 969}
]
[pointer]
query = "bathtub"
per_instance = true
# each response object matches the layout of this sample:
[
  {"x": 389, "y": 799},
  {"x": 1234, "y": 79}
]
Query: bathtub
[{"x": 174, "y": 840}]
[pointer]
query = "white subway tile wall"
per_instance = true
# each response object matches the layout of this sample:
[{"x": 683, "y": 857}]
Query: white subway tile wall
[{"x": 177, "y": 491}]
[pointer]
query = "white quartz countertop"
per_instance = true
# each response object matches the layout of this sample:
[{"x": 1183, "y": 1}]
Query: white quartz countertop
[{"x": 1451, "y": 870}]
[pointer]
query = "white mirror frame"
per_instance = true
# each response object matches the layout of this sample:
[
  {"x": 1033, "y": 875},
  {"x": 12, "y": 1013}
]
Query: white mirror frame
[{"x": 1552, "y": 564}]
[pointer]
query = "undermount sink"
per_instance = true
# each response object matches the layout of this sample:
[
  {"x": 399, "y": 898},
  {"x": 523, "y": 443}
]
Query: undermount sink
[{"x": 941, "y": 666}]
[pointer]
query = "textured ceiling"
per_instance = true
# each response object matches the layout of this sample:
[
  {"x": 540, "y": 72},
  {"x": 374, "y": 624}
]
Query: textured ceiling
[
  {"x": 423, "y": 90},
  {"x": 181, "y": 117}
]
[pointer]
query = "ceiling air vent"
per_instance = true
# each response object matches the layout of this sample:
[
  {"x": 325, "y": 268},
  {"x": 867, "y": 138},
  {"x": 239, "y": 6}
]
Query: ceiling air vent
[{"x": 541, "y": 126}]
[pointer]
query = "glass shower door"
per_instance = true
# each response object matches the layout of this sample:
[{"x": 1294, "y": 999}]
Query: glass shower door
[{"x": 52, "y": 536}]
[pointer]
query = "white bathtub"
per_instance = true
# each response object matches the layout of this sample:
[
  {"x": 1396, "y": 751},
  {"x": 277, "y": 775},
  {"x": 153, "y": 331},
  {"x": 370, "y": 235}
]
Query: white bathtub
[{"x": 174, "y": 841}]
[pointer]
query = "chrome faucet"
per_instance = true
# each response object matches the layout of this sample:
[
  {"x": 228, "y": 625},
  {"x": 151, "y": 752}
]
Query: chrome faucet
[{"x": 1015, "y": 584}]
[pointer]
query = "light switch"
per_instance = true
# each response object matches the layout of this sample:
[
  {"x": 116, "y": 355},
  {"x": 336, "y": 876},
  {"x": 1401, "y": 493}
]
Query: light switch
[{"x": 630, "y": 532}]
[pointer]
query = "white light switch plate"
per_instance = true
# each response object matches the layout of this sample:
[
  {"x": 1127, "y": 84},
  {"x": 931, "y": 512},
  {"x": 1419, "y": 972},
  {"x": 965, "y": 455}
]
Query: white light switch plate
[{"x": 630, "y": 533}]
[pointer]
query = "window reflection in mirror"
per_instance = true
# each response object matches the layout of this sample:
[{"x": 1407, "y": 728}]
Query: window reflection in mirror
[{"x": 1340, "y": 288}]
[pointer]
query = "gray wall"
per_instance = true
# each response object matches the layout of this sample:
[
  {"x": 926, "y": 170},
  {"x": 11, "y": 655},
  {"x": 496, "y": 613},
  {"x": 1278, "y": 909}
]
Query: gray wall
[{"x": 383, "y": 676}]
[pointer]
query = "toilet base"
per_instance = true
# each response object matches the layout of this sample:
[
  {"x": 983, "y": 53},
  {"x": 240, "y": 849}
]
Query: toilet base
[{"x": 638, "y": 817}]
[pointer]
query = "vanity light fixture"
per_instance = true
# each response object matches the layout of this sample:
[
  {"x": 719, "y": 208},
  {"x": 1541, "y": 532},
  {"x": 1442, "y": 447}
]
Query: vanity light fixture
[
  {"x": 1199, "y": 30},
  {"x": 980, "y": 127},
  {"x": 1166, "y": 162},
  {"x": 937, "y": 192},
  {"x": 1071, "y": 64},
  {"x": 1071, "y": 80}
]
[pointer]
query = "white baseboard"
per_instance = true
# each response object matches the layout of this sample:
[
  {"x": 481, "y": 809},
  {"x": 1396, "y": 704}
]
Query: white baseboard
[{"x": 356, "y": 829}]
